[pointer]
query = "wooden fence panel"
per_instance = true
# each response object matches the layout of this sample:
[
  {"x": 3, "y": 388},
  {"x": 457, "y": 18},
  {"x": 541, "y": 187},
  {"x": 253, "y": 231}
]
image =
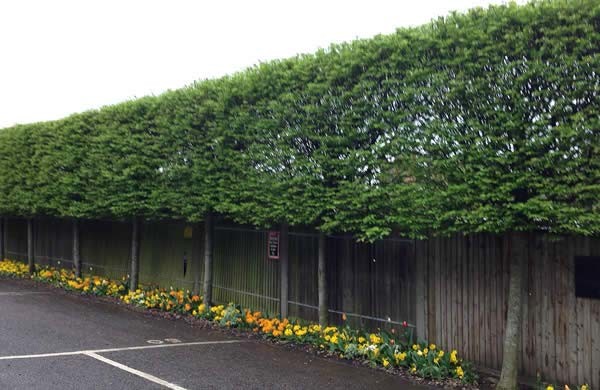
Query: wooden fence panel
[
  {"x": 53, "y": 242},
  {"x": 163, "y": 251},
  {"x": 371, "y": 280},
  {"x": 468, "y": 294},
  {"x": 105, "y": 248},
  {"x": 16, "y": 239},
  {"x": 303, "y": 292}
]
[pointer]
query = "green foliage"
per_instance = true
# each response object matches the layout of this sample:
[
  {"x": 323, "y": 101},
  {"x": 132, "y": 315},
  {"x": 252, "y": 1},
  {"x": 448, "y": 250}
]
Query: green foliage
[{"x": 479, "y": 122}]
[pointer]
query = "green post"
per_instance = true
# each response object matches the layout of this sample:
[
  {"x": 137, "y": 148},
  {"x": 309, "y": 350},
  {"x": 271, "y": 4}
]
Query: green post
[
  {"x": 208, "y": 258},
  {"x": 284, "y": 269},
  {"x": 30, "y": 255}
]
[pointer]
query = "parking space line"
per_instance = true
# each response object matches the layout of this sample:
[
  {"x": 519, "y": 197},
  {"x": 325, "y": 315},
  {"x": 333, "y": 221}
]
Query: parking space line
[
  {"x": 168, "y": 345},
  {"x": 19, "y": 293},
  {"x": 57, "y": 354},
  {"x": 139, "y": 373},
  {"x": 41, "y": 355}
]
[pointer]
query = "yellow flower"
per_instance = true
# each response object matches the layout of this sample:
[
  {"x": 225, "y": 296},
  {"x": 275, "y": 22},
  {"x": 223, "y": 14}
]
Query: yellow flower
[
  {"x": 400, "y": 356},
  {"x": 288, "y": 332},
  {"x": 584, "y": 387},
  {"x": 334, "y": 339},
  {"x": 385, "y": 362},
  {"x": 549, "y": 387},
  {"x": 453, "y": 357},
  {"x": 441, "y": 354},
  {"x": 415, "y": 347},
  {"x": 425, "y": 351},
  {"x": 459, "y": 372},
  {"x": 374, "y": 338},
  {"x": 436, "y": 360},
  {"x": 420, "y": 353},
  {"x": 361, "y": 340},
  {"x": 413, "y": 368},
  {"x": 432, "y": 347},
  {"x": 201, "y": 308}
]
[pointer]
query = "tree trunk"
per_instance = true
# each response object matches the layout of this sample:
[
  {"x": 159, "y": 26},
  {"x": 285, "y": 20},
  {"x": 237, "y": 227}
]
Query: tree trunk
[
  {"x": 512, "y": 338},
  {"x": 135, "y": 254},
  {"x": 322, "y": 278},
  {"x": 2, "y": 241},
  {"x": 76, "y": 250},
  {"x": 196, "y": 259},
  {"x": 208, "y": 258},
  {"x": 285, "y": 269},
  {"x": 30, "y": 259}
]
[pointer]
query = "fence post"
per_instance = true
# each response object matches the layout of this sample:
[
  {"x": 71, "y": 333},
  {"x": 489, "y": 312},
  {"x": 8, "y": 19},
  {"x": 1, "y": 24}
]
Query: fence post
[
  {"x": 322, "y": 279},
  {"x": 76, "y": 250},
  {"x": 135, "y": 253},
  {"x": 30, "y": 259},
  {"x": 208, "y": 258},
  {"x": 285, "y": 269}
]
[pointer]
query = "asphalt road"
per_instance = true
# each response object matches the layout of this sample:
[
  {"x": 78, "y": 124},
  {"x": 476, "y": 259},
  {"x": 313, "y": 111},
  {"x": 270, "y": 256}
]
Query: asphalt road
[{"x": 46, "y": 336}]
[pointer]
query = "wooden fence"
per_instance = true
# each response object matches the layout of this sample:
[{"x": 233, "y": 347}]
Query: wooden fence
[
  {"x": 453, "y": 289},
  {"x": 462, "y": 304}
]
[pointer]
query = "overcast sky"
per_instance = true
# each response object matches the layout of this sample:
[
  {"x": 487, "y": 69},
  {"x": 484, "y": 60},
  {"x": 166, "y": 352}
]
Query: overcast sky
[{"x": 59, "y": 57}]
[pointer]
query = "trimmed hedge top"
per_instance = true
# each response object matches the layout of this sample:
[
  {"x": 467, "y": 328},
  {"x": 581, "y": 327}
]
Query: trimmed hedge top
[{"x": 484, "y": 121}]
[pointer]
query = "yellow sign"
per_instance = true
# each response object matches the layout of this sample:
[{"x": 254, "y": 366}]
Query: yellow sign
[{"x": 187, "y": 232}]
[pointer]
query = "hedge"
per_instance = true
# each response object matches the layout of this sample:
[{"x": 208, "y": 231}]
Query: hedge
[{"x": 483, "y": 121}]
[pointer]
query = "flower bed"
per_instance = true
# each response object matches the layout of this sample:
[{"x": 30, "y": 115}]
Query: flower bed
[{"x": 383, "y": 349}]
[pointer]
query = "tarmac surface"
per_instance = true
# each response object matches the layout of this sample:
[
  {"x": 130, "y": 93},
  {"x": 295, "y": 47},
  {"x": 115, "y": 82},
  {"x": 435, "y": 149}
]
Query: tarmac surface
[{"x": 51, "y": 339}]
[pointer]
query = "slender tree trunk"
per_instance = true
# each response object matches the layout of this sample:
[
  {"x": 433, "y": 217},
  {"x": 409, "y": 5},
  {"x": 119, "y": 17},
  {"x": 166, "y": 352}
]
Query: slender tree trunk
[
  {"x": 2, "y": 241},
  {"x": 208, "y": 258},
  {"x": 135, "y": 254},
  {"x": 285, "y": 268},
  {"x": 322, "y": 279},
  {"x": 30, "y": 256},
  {"x": 512, "y": 338},
  {"x": 76, "y": 250},
  {"x": 196, "y": 260}
]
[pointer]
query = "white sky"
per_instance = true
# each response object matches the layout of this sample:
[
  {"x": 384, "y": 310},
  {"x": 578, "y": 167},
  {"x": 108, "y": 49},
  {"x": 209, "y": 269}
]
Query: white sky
[{"x": 59, "y": 57}]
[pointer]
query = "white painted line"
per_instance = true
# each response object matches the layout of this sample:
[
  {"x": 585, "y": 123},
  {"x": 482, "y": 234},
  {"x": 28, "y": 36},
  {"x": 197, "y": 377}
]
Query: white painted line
[
  {"x": 166, "y": 346},
  {"x": 41, "y": 355},
  {"x": 56, "y": 354},
  {"x": 16, "y": 293},
  {"x": 133, "y": 371}
]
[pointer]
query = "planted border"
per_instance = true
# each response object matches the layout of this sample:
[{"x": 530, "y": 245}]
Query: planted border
[{"x": 388, "y": 350}]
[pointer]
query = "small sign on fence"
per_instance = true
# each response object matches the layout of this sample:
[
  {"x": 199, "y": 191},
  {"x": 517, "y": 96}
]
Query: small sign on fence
[
  {"x": 187, "y": 232},
  {"x": 273, "y": 245}
]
